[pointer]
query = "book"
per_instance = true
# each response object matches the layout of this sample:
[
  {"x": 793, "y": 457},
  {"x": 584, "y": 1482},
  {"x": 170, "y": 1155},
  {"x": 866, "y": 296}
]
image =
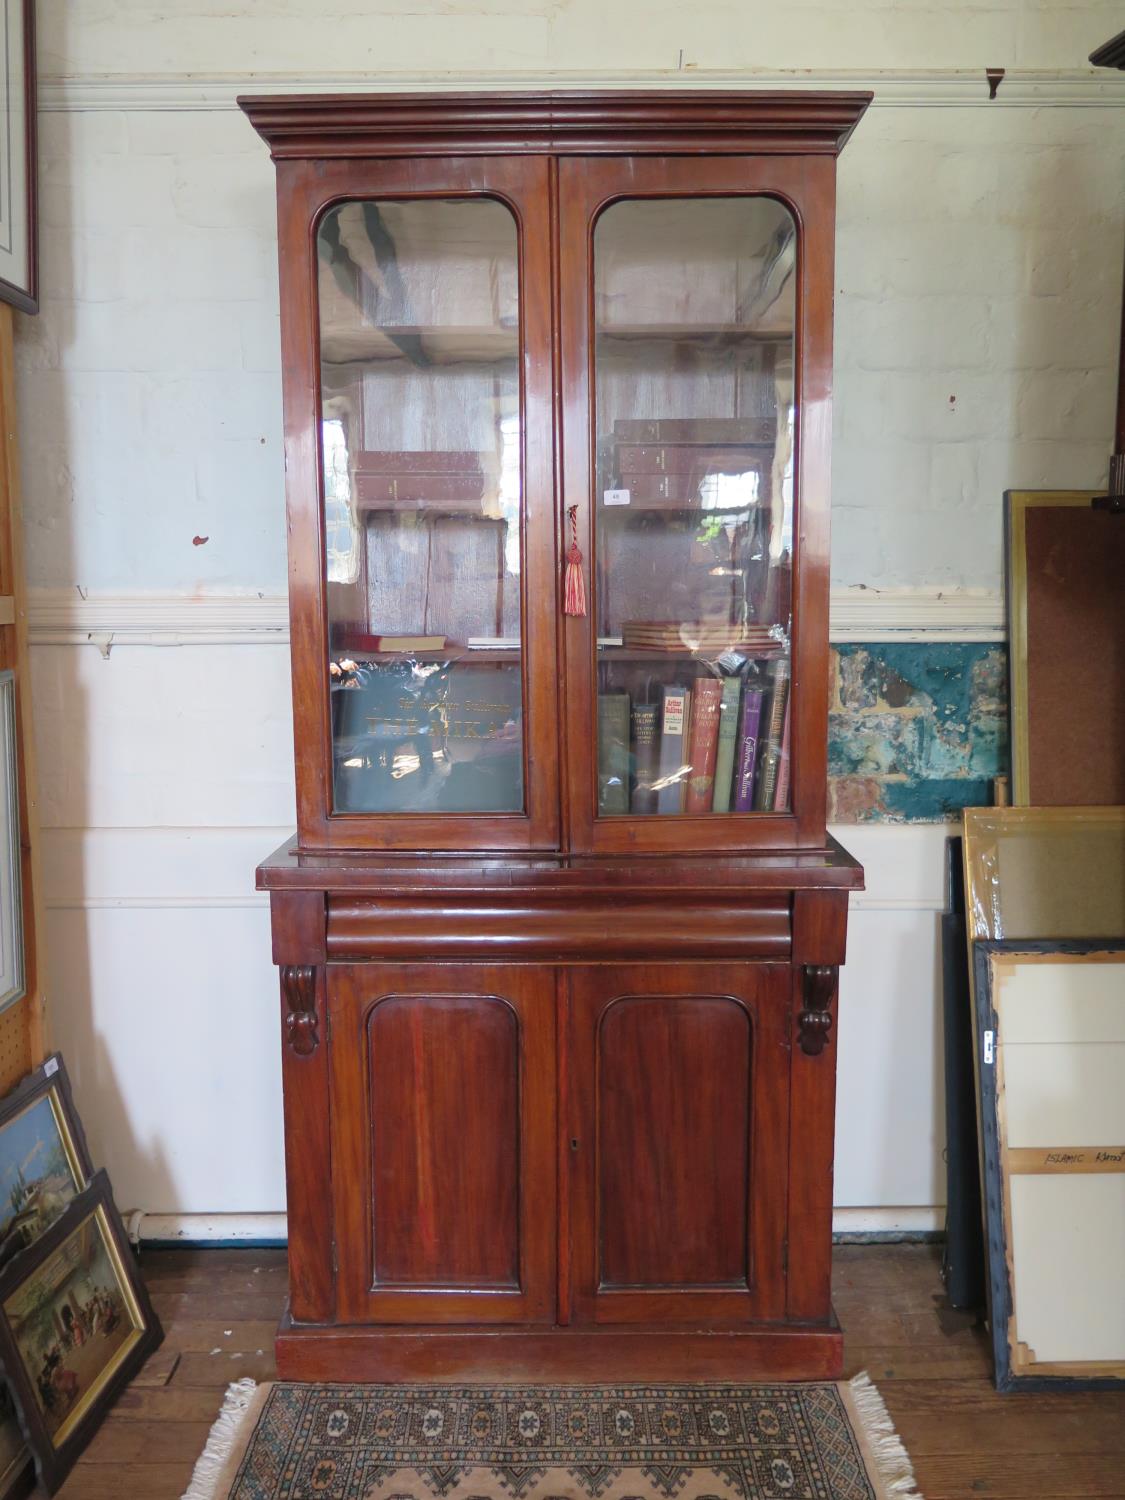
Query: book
[
  {"x": 419, "y": 490},
  {"x": 746, "y": 755},
  {"x": 350, "y": 639},
  {"x": 696, "y": 430},
  {"x": 703, "y": 744},
  {"x": 781, "y": 791},
  {"x": 644, "y": 720},
  {"x": 693, "y": 459},
  {"x": 613, "y": 753},
  {"x": 771, "y": 739},
  {"x": 728, "y": 738},
  {"x": 675, "y": 709},
  {"x": 706, "y": 635}
]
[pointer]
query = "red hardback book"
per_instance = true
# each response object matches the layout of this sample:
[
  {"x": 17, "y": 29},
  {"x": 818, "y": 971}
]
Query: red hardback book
[{"x": 703, "y": 744}]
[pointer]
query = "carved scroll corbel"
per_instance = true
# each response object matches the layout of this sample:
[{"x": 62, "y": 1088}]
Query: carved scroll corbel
[
  {"x": 298, "y": 985},
  {"x": 815, "y": 1019}
]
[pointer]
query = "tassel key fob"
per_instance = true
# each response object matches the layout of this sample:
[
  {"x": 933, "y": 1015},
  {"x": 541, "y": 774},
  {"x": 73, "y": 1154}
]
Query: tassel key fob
[{"x": 574, "y": 593}]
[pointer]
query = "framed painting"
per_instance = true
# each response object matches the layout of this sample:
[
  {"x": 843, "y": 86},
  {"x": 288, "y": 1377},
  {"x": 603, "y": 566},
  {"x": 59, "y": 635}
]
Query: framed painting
[
  {"x": 12, "y": 965},
  {"x": 1064, "y": 565},
  {"x": 76, "y": 1325},
  {"x": 1050, "y": 1027},
  {"x": 1044, "y": 872},
  {"x": 44, "y": 1159},
  {"x": 19, "y": 257}
]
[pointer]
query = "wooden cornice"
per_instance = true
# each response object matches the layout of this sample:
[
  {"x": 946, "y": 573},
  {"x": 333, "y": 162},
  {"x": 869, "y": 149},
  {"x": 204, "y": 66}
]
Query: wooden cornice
[{"x": 656, "y": 122}]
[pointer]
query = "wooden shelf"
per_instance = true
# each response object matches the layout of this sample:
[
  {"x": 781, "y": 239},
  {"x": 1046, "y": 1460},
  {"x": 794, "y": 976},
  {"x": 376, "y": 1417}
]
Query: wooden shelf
[
  {"x": 693, "y": 332},
  {"x": 638, "y": 653},
  {"x": 448, "y": 653},
  {"x": 424, "y": 344}
]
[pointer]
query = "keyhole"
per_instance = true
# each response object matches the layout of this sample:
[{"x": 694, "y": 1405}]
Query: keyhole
[{"x": 574, "y": 1143}]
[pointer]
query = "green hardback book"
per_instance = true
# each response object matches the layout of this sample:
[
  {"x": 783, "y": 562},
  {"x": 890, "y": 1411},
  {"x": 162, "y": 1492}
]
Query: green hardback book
[
  {"x": 613, "y": 753},
  {"x": 728, "y": 739}
]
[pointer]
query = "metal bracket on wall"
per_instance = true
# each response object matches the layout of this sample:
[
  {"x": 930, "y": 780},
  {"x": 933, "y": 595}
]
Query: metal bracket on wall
[
  {"x": 298, "y": 985},
  {"x": 818, "y": 983}
]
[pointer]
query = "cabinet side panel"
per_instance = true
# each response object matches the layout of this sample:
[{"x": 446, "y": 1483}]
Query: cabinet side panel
[
  {"x": 673, "y": 1142},
  {"x": 308, "y": 1176},
  {"x": 443, "y": 1077},
  {"x": 819, "y": 934}
]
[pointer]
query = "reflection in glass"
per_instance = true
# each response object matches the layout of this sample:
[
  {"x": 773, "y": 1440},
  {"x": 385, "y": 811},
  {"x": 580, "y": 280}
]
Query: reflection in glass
[
  {"x": 694, "y": 334},
  {"x": 421, "y": 454}
]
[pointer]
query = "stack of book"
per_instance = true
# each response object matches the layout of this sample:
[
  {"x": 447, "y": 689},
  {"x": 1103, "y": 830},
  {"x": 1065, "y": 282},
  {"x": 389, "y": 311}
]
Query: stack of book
[
  {"x": 437, "y": 480},
  {"x": 720, "y": 746},
  {"x": 681, "y": 464},
  {"x": 708, "y": 638}
]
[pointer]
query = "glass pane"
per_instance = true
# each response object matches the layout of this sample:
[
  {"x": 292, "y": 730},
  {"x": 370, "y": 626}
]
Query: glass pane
[
  {"x": 421, "y": 443},
  {"x": 694, "y": 302}
]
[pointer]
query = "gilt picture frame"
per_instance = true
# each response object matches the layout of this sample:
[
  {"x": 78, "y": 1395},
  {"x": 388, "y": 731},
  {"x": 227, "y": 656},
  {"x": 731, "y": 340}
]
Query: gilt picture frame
[
  {"x": 13, "y": 969},
  {"x": 44, "y": 1159},
  {"x": 19, "y": 236},
  {"x": 76, "y": 1324}
]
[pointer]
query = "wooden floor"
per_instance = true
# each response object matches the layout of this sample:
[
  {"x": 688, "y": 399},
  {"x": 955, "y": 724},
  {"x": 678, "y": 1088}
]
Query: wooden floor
[{"x": 220, "y": 1308}]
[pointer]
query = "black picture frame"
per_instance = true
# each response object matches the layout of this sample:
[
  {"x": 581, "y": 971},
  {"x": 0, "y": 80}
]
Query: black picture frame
[
  {"x": 1001, "y": 1300},
  {"x": 17, "y": 1476},
  {"x": 57, "y": 1447}
]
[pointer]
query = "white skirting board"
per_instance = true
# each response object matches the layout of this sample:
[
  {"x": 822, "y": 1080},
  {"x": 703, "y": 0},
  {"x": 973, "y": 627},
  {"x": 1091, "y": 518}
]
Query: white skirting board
[{"x": 264, "y": 1229}]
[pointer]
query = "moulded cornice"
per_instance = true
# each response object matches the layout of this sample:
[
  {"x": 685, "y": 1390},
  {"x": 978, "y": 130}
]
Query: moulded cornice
[{"x": 636, "y": 121}]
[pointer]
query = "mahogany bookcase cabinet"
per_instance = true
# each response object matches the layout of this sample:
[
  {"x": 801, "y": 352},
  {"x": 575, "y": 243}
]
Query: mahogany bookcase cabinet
[{"x": 560, "y": 929}]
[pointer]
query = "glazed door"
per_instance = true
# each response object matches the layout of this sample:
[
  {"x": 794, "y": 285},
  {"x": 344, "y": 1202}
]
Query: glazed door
[
  {"x": 416, "y": 323},
  {"x": 443, "y": 1143},
  {"x": 696, "y": 362},
  {"x": 677, "y": 1126}
]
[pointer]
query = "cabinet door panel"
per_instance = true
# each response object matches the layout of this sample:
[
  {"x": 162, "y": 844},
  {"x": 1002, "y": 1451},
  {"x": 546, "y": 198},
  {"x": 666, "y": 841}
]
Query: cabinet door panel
[
  {"x": 677, "y": 1114},
  {"x": 418, "y": 355},
  {"x": 443, "y": 1142},
  {"x": 696, "y": 357},
  {"x": 669, "y": 1150}
]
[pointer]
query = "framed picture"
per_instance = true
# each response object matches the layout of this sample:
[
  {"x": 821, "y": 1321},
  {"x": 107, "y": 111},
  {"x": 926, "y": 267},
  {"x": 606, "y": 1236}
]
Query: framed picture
[
  {"x": 1050, "y": 1029},
  {"x": 1044, "y": 872},
  {"x": 76, "y": 1324},
  {"x": 1064, "y": 564},
  {"x": 12, "y": 974},
  {"x": 19, "y": 259},
  {"x": 44, "y": 1159}
]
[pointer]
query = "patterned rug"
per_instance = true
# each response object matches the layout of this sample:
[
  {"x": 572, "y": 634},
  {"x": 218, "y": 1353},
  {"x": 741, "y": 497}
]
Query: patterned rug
[{"x": 683, "y": 1442}]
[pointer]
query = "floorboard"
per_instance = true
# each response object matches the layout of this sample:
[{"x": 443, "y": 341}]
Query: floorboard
[{"x": 933, "y": 1366}]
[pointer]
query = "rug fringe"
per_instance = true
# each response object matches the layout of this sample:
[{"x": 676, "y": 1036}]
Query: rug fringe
[
  {"x": 896, "y": 1473},
  {"x": 210, "y": 1464}
]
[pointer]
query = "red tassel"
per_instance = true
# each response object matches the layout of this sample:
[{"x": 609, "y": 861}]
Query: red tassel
[{"x": 574, "y": 595}]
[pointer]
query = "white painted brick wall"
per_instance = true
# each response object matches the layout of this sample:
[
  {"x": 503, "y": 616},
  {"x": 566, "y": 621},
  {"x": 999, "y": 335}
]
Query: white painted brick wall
[{"x": 113, "y": 36}]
